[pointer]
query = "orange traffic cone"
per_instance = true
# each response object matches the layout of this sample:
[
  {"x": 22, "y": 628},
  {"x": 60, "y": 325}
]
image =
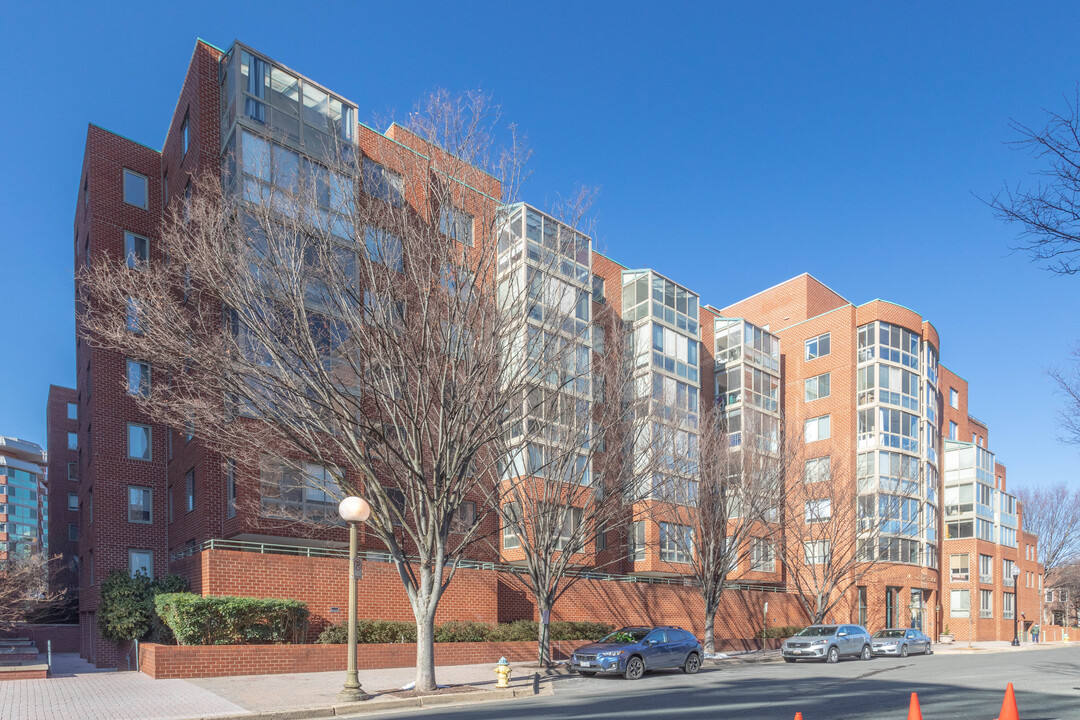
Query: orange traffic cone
[
  {"x": 1008, "y": 705},
  {"x": 798, "y": 716},
  {"x": 914, "y": 712}
]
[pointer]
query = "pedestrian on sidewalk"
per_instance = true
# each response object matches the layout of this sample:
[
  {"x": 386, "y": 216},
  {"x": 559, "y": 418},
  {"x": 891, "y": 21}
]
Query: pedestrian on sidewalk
[{"x": 1035, "y": 633}]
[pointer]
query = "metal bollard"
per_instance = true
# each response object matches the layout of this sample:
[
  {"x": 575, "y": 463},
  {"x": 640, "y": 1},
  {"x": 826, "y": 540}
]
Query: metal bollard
[
  {"x": 48, "y": 654},
  {"x": 536, "y": 683}
]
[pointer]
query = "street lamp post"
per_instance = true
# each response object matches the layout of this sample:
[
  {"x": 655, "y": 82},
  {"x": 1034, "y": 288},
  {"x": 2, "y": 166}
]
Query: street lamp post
[
  {"x": 1016, "y": 605},
  {"x": 352, "y": 510}
]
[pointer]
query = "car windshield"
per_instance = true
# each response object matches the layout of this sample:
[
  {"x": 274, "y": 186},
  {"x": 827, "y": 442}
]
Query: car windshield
[
  {"x": 818, "y": 630},
  {"x": 627, "y": 635},
  {"x": 889, "y": 634}
]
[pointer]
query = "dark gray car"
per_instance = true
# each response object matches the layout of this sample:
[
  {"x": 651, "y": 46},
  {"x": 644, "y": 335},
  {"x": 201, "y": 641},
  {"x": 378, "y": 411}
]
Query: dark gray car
[{"x": 828, "y": 643}]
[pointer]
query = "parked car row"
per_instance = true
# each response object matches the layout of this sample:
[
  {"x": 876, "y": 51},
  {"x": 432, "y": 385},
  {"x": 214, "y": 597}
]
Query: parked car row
[
  {"x": 632, "y": 651},
  {"x": 829, "y": 643}
]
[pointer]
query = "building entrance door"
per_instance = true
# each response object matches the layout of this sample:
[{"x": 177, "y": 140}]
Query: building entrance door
[
  {"x": 918, "y": 608},
  {"x": 892, "y": 596}
]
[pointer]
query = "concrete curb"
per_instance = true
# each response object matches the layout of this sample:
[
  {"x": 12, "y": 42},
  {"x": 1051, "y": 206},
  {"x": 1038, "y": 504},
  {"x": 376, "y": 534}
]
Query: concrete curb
[
  {"x": 363, "y": 708},
  {"x": 747, "y": 658}
]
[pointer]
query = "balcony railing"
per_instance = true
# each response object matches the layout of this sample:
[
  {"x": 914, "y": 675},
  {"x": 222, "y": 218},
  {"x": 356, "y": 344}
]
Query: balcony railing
[{"x": 376, "y": 556}]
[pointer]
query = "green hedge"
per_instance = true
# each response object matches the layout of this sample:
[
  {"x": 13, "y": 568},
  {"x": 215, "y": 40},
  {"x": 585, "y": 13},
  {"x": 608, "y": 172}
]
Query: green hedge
[
  {"x": 126, "y": 610},
  {"x": 198, "y": 620},
  {"x": 387, "y": 631},
  {"x": 783, "y": 631}
]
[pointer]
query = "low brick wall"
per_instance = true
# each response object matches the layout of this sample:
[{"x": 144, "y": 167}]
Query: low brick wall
[
  {"x": 36, "y": 673},
  {"x": 193, "y": 661},
  {"x": 65, "y": 638}
]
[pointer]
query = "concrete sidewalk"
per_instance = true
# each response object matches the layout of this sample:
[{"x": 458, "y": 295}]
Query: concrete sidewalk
[{"x": 77, "y": 691}]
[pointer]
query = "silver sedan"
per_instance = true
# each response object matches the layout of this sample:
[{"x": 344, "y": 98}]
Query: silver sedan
[{"x": 901, "y": 642}]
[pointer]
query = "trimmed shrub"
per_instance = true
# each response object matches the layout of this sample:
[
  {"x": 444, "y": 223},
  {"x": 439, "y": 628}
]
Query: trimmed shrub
[
  {"x": 126, "y": 610},
  {"x": 369, "y": 632},
  {"x": 517, "y": 631},
  {"x": 387, "y": 631},
  {"x": 579, "y": 630},
  {"x": 462, "y": 631},
  {"x": 198, "y": 620},
  {"x": 783, "y": 631}
]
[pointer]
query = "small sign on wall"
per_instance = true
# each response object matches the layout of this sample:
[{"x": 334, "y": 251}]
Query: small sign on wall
[{"x": 335, "y": 609}]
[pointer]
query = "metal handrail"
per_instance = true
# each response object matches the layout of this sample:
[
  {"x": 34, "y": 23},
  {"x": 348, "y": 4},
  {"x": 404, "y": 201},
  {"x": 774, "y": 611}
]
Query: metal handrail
[{"x": 466, "y": 564}]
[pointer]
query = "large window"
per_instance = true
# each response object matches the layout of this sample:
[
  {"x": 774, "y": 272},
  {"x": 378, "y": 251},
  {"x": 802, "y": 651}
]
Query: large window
[
  {"x": 510, "y": 538},
  {"x": 141, "y": 562},
  {"x": 986, "y": 603},
  {"x": 72, "y": 411},
  {"x": 676, "y": 543},
  {"x": 73, "y": 501},
  {"x": 960, "y": 603},
  {"x": 136, "y": 250},
  {"x": 818, "y": 511},
  {"x": 636, "y": 541},
  {"x": 986, "y": 568},
  {"x": 817, "y": 553},
  {"x": 1007, "y": 567},
  {"x": 189, "y": 490},
  {"x": 465, "y": 517},
  {"x": 817, "y": 470},
  {"x": 569, "y": 538},
  {"x": 817, "y": 429},
  {"x": 140, "y": 504},
  {"x": 73, "y": 441},
  {"x": 135, "y": 189},
  {"x": 138, "y": 378},
  {"x": 762, "y": 555},
  {"x": 818, "y": 346},
  {"x": 817, "y": 387},
  {"x": 954, "y": 398},
  {"x": 958, "y": 568},
  {"x": 138, "y": 441},
  {"x": 383, "y": 183},
  {"x": 230, "y": 488},
  {"x": 385, "y": 248},
  {"x": 1008, "y": 605},
  {"x": 456, "y": 224},
  {"x": 73, "y": 471},
  {"x": 300, "y": 490}
]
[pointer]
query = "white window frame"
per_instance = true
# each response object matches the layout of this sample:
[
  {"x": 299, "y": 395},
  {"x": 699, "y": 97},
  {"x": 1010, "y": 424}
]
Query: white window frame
[
  {"x": 817, "y": 428},
  {"x": 812, "y": 387},
  {"x": 818, "y": 510},
  {"x": 817, "y": 469},
  {"x": 816, "y": 342},
  {"x": 956, "y": 603},
  {"x": 817, "y": 552},
  {"x": 954, "y": 398}
]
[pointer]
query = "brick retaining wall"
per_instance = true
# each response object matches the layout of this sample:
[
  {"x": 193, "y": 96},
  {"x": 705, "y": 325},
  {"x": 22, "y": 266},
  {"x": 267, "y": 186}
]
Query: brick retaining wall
[
  {"x": 65, "y": 638},
  {"x": 192, "y": 661}
]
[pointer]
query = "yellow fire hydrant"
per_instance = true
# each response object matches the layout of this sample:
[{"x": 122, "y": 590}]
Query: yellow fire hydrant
[{"x": 502, "y": 673}]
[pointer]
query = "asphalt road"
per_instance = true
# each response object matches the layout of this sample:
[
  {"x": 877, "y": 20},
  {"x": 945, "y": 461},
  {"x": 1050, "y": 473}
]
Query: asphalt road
[{"x": 954, "y": 686}]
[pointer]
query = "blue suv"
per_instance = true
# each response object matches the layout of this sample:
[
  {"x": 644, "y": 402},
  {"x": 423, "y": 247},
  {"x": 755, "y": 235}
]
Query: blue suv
[{"x": 633, "y": 650}]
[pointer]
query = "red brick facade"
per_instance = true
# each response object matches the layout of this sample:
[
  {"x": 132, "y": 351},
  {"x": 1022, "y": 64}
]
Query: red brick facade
[
  {"x": 796, "y": 310},
  {"x": 63, "y": 473}
]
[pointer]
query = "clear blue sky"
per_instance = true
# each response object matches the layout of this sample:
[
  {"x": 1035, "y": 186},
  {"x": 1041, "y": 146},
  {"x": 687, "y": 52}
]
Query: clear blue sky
[{"x": 734, "y": 145}]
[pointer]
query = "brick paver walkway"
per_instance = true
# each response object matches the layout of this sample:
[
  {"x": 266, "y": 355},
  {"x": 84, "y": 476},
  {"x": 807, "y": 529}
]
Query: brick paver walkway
[{"x": 79, "y": 692}]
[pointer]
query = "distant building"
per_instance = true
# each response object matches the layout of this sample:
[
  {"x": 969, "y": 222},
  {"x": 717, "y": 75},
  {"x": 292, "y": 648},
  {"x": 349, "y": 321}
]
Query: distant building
[
  {"x": 62, "y": 433},
  {"x": 24, "y": 502}
]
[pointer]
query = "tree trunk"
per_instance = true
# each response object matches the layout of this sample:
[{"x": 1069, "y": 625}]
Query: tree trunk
[
  {"x": 543, "y": 650},
  {"x": 425, "y": 650},
  {"x": 710, "y": 622}
]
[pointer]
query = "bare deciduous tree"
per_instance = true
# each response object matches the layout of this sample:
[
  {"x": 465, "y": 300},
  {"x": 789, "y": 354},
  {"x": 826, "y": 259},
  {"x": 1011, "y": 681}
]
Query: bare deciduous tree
[
  {"x": 1053, "y": 513},
  {"x": 24, "y": 586},
  {"x": 720, "y": 506},
  {"x": 344, "y": 310},
  {"x": 1048, "y": 213},
  {"x": 1068, "y": 381},
  {"x": 833, "y": 536}
]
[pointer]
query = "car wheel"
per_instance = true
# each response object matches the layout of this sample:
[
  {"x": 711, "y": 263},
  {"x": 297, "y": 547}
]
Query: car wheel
[
  {"x": 692, "y": 664},
  {"x": 929, "y": 649},
  {"x": 903, "y": 651},
  {"x": 789, "y": 659},
  {"x": 866, "y": 654},
  {"x": 635, "y": 668},
  {"x": 833, "y": 655}
]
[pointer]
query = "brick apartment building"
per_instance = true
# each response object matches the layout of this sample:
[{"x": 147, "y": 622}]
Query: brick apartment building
[
  {"x": 62, "y": 436},
  {"x": 153, "y": 499},
  {"x": 24, "y": 501}
]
